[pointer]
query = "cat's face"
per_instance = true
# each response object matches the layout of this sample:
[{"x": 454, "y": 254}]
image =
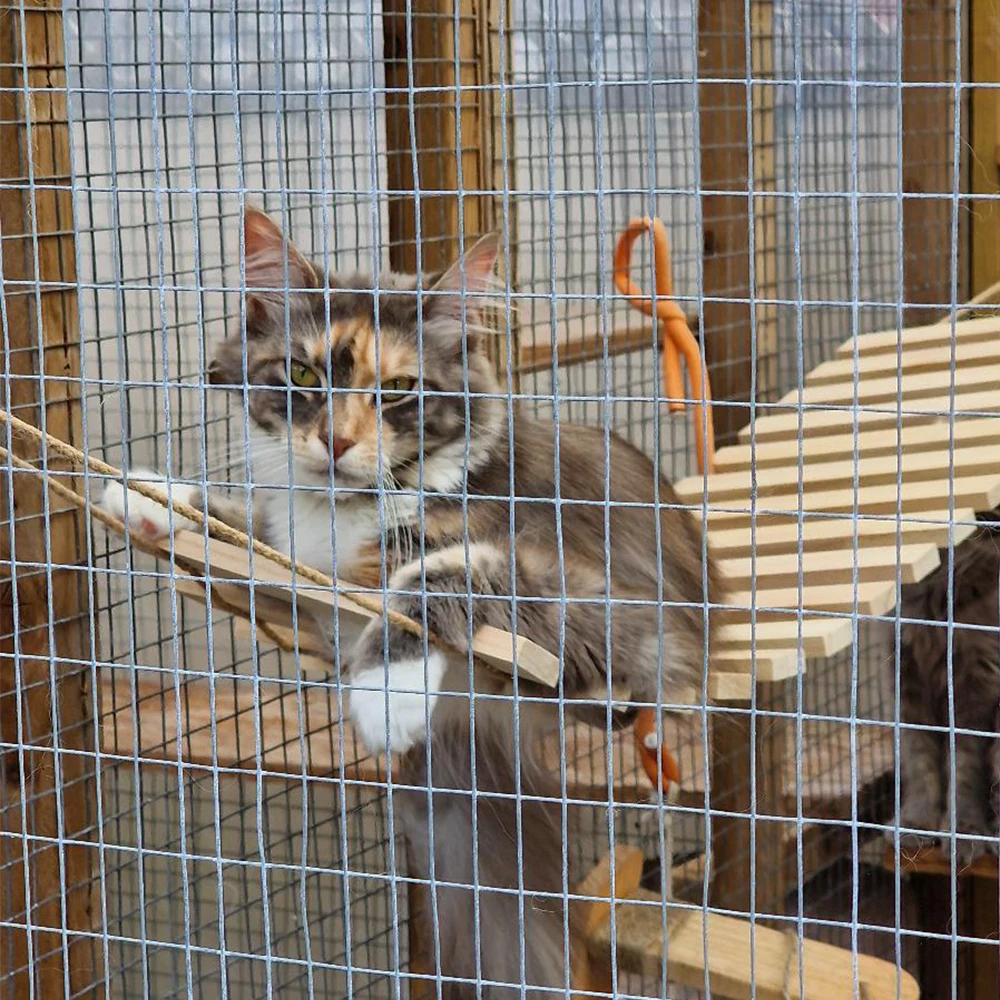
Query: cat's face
[{"x": 359, "y": 384}]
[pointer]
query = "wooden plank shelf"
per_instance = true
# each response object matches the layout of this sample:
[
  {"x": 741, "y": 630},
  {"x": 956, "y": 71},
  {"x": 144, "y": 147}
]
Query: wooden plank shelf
[
  {"x": 286, "y": 730},
  {"x": 912, "y": 439},
  {"x": 641, "y": 932},
  {"x": 919, "y": 337}
]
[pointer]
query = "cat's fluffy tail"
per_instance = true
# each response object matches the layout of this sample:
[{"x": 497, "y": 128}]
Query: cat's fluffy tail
[{"x": 498, "y": 872}]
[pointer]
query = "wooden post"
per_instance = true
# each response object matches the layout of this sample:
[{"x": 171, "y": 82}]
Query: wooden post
[
  {"x": 733, "y": 742},
  {"x": 984, "y": 924},
  {"x": 428, "y": 74},
  {"x": 928, "y": 153},
  {"x": 725, "y": 164},
  {"x": 45, "y": 676},
  {"x": 450, "y": 76},
  {"x": 984, "y": 128},
  {"x": 928, "y": 893}
]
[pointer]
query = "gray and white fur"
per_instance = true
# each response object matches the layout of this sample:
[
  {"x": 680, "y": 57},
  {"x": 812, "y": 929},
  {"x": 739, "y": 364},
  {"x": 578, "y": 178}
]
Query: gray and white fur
[{"x": 388, "y": 406}]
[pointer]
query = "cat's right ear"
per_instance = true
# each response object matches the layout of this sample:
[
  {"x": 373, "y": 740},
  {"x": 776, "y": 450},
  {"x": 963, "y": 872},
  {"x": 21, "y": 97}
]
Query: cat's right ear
[{"x": 274, "y": 266}]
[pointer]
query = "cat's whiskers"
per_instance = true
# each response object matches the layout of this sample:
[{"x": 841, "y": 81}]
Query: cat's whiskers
[{"x": 398, "y": 539}]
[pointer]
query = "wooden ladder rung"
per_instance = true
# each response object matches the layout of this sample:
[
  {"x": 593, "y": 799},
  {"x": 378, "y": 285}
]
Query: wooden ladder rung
[
  {"x": 840, "y": 420},
  {"x": 836, "y": 533},
  {"x": 844, "y": 369},
  {"x": 975, "y": 492},
  {"x": 875, "y": 563},
  {"x": 873, "y": 598},
  {"x": 817, "y": 636},
  {"x": 882, "y": 470},
  {"x": 911, "y": 439},
  {"x": 916, "y": 337},
  {"x": 908, "y": 387}
]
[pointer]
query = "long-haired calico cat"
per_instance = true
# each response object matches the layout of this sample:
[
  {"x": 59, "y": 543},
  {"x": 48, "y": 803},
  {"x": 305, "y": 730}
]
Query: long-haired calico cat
[
  {"x": 388, "y": 405},
  {"x": 926, "y": 768}
]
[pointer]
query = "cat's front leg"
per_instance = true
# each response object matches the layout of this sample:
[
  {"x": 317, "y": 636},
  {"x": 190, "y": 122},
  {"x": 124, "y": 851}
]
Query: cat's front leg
[
  {"x": 390, "y": 699},
  {"x": 395, "y": 685}
]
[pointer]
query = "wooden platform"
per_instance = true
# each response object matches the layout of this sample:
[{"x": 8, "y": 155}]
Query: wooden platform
[
  {"x": 287, "y": 732},
  {"x": 738, "y": 960},
  {"x": 272, "y": 727},
  {"x": 844, "y": 487},
  {"x": 734, "y": 948}
]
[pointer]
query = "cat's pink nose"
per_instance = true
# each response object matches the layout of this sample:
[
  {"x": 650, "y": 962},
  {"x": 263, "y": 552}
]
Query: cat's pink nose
[{"x": 340, "y": 445}]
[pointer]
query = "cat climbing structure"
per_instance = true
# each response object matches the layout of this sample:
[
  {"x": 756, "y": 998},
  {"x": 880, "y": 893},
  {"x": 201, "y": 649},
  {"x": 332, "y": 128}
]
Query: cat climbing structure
[{"x": 846, "y": 489}]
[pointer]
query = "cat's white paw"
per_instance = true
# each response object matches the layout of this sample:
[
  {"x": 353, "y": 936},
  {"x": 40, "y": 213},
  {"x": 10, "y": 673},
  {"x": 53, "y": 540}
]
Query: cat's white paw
[
  {"x": 146, "y": 517},
  {"x": 411, "y": 699}
]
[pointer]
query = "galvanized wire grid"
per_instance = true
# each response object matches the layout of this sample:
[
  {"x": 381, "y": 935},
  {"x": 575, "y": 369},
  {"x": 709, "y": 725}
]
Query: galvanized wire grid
[{"x": 212, "y": 883}]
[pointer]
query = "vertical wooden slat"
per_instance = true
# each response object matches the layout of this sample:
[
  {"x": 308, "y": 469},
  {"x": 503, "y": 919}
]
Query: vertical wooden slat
[
  {"x": 765, "y": 208},
  {"x": 47, "y": 794},
  {"x": 738, "y": 751},
  {"x": 429, "y": 81},
  {"x": 928, "y": 152},
  {"x": 984, "y": 128},
  {"x": 446, "y": 81},
  {"x": 985, "y": 958},
  {"x": 725, "y": 160}
]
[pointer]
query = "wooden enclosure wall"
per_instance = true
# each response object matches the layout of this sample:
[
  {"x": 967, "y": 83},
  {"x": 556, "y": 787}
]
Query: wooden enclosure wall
[{"x": 47, "y": 808}]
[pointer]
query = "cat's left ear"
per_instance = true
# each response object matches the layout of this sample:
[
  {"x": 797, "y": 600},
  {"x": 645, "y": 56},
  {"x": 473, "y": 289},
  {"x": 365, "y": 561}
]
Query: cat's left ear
[{"x": 471, "y": 276}]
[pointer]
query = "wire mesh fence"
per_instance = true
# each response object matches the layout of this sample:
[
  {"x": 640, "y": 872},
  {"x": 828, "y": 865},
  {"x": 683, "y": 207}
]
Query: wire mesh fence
[{"x": 189, "y": 804}]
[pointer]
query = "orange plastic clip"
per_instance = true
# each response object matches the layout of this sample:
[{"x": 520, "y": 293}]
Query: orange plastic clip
[{"x": 678, "y": 341}]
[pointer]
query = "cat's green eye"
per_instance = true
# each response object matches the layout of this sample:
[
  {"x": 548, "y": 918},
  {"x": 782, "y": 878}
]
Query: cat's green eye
[
  {"x": 395, "y": 390},
  {"x": 303, "y": 376}
]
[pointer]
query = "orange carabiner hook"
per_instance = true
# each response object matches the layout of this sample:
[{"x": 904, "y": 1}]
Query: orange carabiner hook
[
  {"x": 645, "y": 739},
  {"x": 677, "y": 337},
  {"x": 678, "y": 341}
]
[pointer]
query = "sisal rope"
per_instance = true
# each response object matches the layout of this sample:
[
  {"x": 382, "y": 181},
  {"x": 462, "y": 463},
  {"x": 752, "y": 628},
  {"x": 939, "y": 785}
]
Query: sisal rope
[{"x": 216, "y": 529}]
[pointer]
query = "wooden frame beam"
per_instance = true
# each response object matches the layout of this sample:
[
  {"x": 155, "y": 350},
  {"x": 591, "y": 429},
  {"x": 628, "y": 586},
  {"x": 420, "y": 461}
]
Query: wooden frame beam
[{"x": 45, "y": 693}]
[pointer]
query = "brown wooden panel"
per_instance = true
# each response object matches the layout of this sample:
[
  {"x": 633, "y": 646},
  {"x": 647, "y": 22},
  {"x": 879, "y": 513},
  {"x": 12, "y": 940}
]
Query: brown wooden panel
[{"x": 49, "y": 794}]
